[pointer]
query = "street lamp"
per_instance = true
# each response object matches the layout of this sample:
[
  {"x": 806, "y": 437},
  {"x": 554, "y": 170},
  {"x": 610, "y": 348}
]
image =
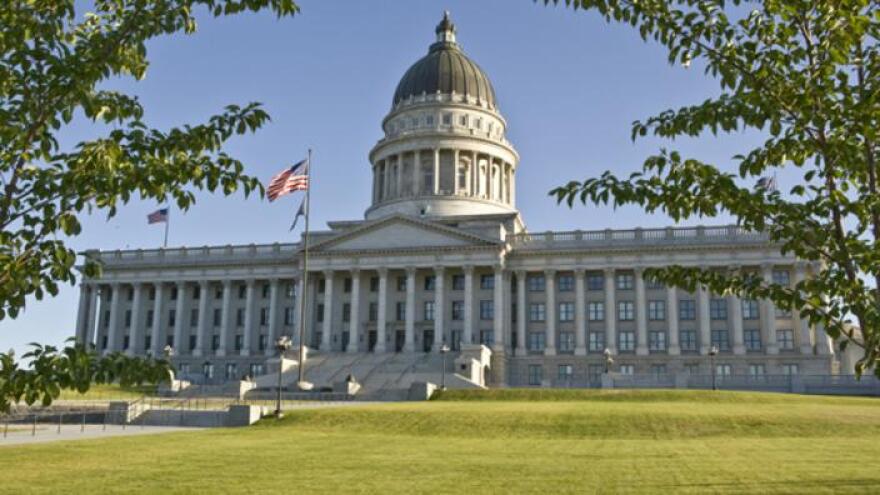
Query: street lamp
[
  {"x": 282, "y": 345},
  {"x": 713, "y": 351},
  {"x": 443, "y": 350},
  {"x": 608, "y": 360}
]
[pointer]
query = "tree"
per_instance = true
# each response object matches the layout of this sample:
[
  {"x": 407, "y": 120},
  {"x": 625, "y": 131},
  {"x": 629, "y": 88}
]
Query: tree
[
  {"x": 52, "y": 68},
  {"x": 806, "y": 73}
]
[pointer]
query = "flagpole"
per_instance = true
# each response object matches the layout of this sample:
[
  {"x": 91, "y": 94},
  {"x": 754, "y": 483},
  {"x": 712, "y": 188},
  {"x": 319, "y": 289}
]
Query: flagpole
[
  {"x": 167, "y": 221},
  {"x": 305, "y": 275}
]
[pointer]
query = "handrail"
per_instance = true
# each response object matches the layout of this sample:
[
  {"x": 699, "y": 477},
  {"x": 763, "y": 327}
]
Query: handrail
[{"x": 676, "y": 235}]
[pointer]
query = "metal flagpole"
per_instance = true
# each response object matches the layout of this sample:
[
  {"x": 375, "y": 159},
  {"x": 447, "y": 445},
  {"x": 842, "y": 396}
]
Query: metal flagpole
[
  {"x": 167, "y": 221},
  {"x": 305, "y": 274}
]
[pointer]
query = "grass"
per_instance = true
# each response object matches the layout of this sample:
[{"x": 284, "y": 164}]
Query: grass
[
  {"x": 108, "y": 392},
  {"x": 493, "y": 442}
]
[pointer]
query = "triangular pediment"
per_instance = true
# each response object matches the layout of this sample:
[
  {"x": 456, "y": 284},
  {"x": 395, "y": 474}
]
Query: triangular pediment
[{"x": 401, "y": 233}]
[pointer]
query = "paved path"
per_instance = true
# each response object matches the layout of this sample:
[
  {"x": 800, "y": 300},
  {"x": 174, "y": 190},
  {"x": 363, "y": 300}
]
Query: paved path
[{"x": 47, "y": 433}]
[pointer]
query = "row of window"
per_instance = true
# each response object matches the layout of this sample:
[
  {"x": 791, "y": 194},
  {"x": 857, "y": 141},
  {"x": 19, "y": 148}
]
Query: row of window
[
  {"x": 194, "y": 317},
  {"x": 446, "y": 119},
  {"x": 687, "y": 310},
  {"x": 265, "y": 290},
  {"x": 230, "y": 370},
  {"x": 657, "y": 340},
  {"x": 238, "y": 342},
  {"x": 565, "y": 372}
]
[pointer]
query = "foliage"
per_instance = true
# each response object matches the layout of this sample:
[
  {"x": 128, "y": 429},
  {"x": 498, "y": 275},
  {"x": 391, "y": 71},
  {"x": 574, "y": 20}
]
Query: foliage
[
  {"x": 806, "y": 74},
  {"x": 50, "y": 371}
]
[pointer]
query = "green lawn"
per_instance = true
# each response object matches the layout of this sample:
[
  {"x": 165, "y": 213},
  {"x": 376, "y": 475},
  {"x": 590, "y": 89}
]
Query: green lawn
[
  {"x": 493, "y": 442},
  {"x": 108, "y": 392}
]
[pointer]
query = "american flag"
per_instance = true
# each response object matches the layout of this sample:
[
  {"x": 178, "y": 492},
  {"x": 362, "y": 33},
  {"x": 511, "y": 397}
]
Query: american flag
[
  {"x": 158, "y": 216},
  {"x": 295, "y": 178}
]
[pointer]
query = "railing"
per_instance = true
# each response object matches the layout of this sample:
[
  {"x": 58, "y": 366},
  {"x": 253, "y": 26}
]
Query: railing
[
  {"x": 202, "y": 254},
  {"x": 730, "y": 234}
]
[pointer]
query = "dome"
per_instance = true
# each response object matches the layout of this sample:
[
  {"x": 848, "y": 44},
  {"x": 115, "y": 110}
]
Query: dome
[{"x": 445, "y": 69}]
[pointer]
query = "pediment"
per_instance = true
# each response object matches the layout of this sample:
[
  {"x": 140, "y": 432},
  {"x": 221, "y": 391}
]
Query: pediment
[{"x": 401, "y": 233}]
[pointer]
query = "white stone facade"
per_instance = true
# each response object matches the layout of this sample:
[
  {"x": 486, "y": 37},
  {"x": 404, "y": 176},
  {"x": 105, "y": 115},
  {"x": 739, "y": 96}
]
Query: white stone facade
[{"x": 443, "y": 256}]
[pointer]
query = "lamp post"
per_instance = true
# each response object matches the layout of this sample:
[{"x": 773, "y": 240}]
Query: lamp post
[
  {"x": 713, "y": 351},
  {"x": 443, "y": 350},
  {"x": 282, "y": 345},
  {"x": 608, "y": 360}
]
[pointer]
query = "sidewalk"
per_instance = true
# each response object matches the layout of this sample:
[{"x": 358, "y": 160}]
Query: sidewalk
[{"x": 23, "y": 434}]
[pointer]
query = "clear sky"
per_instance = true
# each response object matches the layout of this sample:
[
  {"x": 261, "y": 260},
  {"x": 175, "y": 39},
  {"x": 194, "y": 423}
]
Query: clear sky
[{"x": 569, "y": 85}]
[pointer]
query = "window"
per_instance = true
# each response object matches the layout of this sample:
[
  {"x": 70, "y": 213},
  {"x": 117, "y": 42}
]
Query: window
[
  {"x": 193, "y": 317},
  {"x": 654, "y": 284},
  {"x": 565, "y": 373},
  {"x": 478, "y": 123},
  {"x": 625, "y": 281},
  {"x": 197, "y": 293},
  {"x": 657, "y": 341},
  {"x": 127, "y": 318},
  {"x": 687, "y": 309},
  {"x": 130, "y": 293},
  {"x": 173, "y": 294},
  {"x": 566, "y": 341},
  {"x": 537, "y": 312},
  {"x": 429, "y": 310},
  {"x": 626, "y": 341},
  {"x": 169, "y": 341},
  {"x": 149, "y": 318},
  {"x": 319, "y": 313},
  {"x": 265, "y": 291},
  {"x": 596, "y": 341},
  {"x": 218, "y": 316},
  {"x": 126, "y": 340},
  {"x": 487, "y": 310},
  {"x": 536, "y": 341},
  {"x": 447, "y": 119},
  {"x": 595, "y": 281},
  {"x": 231, "y": 371},
  {"x": 785, "y": 339},
  {"x": 566, "y": 283},
  {"x": 401, "y": 284},
  {"x": 782, "y": 313},
  {"x": 430, "y": 282},
  {"x": 346, "y": 312},
  {"x": 103, "y": 342},
  {"x": 723, "y": 370},
  {"x": 457, "y": 310},
  {"x": 374, "y": 284},
  {"x": 346, "y": 285},
  {"x": 720, "y": 339},
  {"x": 263, "y": 342},
  {"x": 400, "y": 311},
  {"x": 255, "y": 369},
  {"x": 264, "y": 316},
  {"x": 535, "y": 283},
  {"x": 627, "y": 369},
  {"x": 718, "y": 309},
  {"x": 429, "y": 120},
  {"x": 322, "y": 285},
  {"x": 658, "y": 369},
  {"x": 536, "y": 373},
  {"x": 288, "y": 316},
  {"x": 756, "y": 370},
  {"x": 656, "y": 310},
  {"x": 462, "y": 177},
  {"x": 462, "y": 120},
  {"x": 242, "y": 291},
  {"x": 218, "y": 293},
  {"x": 458, "y": 282},
  {"x": 487, "y": 337},
  {"x": 789, "y": 369},
  {"x": 688, "y": 340},
  {"x": 290, "y": 290},
  {"x": 596, "y": 311},
  {"x": 172, "y": 317},
  {"x": 487, "y": 282},
  {"x": 692, "y": 368},
  {"x": 152, "y": 294},
  {"x": 782, "y": 277},
  {"x": 215, "y": 342},
  {"x": 566, "y": 311},
  {"x": 750, "y": 309},
  {"x": 148, "y": 342},
  {"x": 239, "y": 342},
  {"x": 625, "y": 311},
  {"x": 595, "y": 372},
  {"x": 752, "y": 339},
  {"x": 374, "y": 311}
]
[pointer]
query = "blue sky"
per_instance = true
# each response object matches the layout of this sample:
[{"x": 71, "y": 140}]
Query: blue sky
[{"x": 569, "y": 85}]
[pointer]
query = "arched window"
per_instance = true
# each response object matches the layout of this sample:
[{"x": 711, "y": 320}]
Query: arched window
[{"x": 463, "y": 170}]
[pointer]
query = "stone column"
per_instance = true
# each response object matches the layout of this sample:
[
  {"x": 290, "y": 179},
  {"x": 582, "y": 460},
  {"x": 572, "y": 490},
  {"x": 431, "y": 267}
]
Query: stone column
[
  {"x": 158, "y": 310},
  {"x": 436, "y": 171},
  {"x": 641, "y": 314},
  {"x": 769, "y": 312},
  {"x": 410, "y": 329},
  {"x": 474, "y": 175},
  {"x": 299, "y": 311},
  {"x": 802, "y": 323},
  {"x": 202, "y": 340},
  {"x": 273, "y": 317},
  {"x": 400, "y": 169},
  {"x": 550, "y": 311},
  {"x": 580, "y": 319},
  {"x": 610, "y": 312},
  {"x": 704, "y": 321},
  {"x": 179, "y": 319},
  {"x": 112, "y": 326},
  {"x": 382, "y": 309},
  {"x": 82, "y": 315},
  {"x": 468, "y": 304},
  {"x": 500, "y": 314},
  {"x": 734, "y": 307},
  {"x": 521, "y": 344},
  {"x": 455, "y": 166},
  {"x": 93, "y": 315},
  {"x": 672, "y": 318},
  {"x": 225, "y": 318},
  {"x": 417, "y": 173},
  {"x": 327, "y": 327},
  {"x": 439, "y": 307},
  {"x": 134, "y": 332},
  {"x": 354, "y": 314},
  {"x": 250, "y": 328}
]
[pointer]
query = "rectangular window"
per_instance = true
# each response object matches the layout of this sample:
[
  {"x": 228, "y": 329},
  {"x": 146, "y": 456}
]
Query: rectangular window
[
  {"x": 430, "y": 282},
  {"x": 750, "y": 309},
  {"x": 319, "y": 313},
  {"x": 656, "y": 310},
  {"x": 756, "y": 370},
  {"x": 785, "y": 339},
  {"x": 789, "y": 369},
  {"x": 566, "y": 311},
  {"x": 215, "y": 342},
  {"x": 193, "y": 317},
  {"x": 487, "y": 310},
  {"x": 429, "y": 310},
  {"x": 193, "y": 340},
  {"x": 596, "y": 311},
  {"x": 288, "y": 316},
  {"x": 566, "y": 283},
  {"x": 458, "y": 282},
  {"x": 173, "y": 294},
  {"x": 536, "y": 374},
  {"x": 595, "y": 281},
  {"x": 723, "y": 370},
  {"x": 401, "y": 284},
  {"x": 264, "y": 316},
  {"x": 752, "y": 339},
  {"x": 720, "y": 340},
  {"x": 239, "y": 317},
  {"x": 239, "y": 342},
  {"x": 687, "y": 309},
  {"x": 169, "y": 341},
  {"x": 152, "y": 294},
  {"x": 654, "y": 284},
  {"x": 130, "y": 294},
  {"x": 627, "y": 369},
  {"x": 290, "y": 290},
  {"x": 149, "y": 318},
  {"x": 536, "y": 341},
  {"x": 197, "y": 292},
  {"x": 718, "y": 309},
  {"x": 487, "y": 337},
  {"x": 782, "y": 277},
  {"x": 218, "y": 316},
  {"x": 626, "y": 311},
  {"x": 374, "y": 311},
  {"x": 242, "y": 291},
  {"x": 265, "y": 291},
  {"x": 595, "y": 372},
  {"x": 566, "y": 341},
  {"x": 401, "y": 311},
  {"x": 346, "y": 312},
  {"x": 688, "y": 340},
  {"x": 218, "y": 293},
  {"x": 457, "y": 310},
  {"x": 625, "y": 281},
  {"x": 565, "y": 373},
  {"x": 172, "y": 317},
  {"x": 487, "y": 282},
  {"x": 657, "y": 341},
  {"x": 322, "y": 285},
  {"x": 535, "y": 283},
  {"x": 596, "y": 341},
  {"x": 127, "y": 318},
  {"x": 346, "y": 285},
  {"x": 658, "y": 369},
  {"x": 126, "y": 340},
  {"x": 537, "y": 312},
  {"x": 626, "y": 341},
  {"x": 374, "y": 284},
  {"x": 782, "y": 313},
  {"x": 263, "y": 342},
  {"x": 148, "y": 342},
  {"x": 692, "y": 368}
]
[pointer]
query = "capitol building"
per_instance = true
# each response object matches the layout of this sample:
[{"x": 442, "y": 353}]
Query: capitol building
[{"x": 442, "y": 258}]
